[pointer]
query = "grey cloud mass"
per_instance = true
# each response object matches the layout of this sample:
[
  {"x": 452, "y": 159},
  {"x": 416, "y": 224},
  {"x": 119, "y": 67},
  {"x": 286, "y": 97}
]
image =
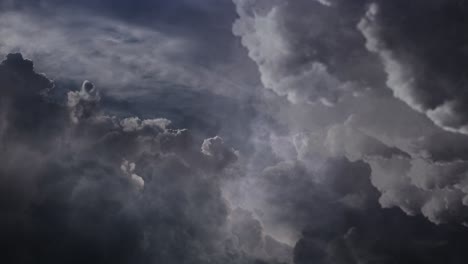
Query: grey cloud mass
[
  {"x": 366, "y": 123},
  {"x": 303, "y": 51},
  {"x": 425, "y": 67},
  {"x": 101, "y": 189},
  {"x": 233, "y": 131}
]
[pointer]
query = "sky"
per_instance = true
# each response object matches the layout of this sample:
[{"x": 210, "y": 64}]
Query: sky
[{"x": 233, "y": 131}]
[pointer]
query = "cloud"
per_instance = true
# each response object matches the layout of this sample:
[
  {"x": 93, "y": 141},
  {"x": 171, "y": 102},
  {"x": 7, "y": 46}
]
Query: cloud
[
  {"x": 403, "y": 240},
  {"x": 114, "y": 54},
  {"x": 332, "y": 213},
  {"x": 302, "y": 51},
  {"x": 130, "y": 170},
  {"x": 101, "y": 189},
  {"x": 216, "y": 150},
  {"x": 423, "y": 60},
  {"x": 422, "y": 179},
  {"x": 414, "y": 164},
  {"x": 82, "y": 103}
]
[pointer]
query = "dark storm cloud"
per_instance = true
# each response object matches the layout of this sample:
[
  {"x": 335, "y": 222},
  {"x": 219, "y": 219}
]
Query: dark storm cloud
[
  {"x": 313, "y": 50},
  {"x": 295, "y": 195},
  {"x": 344, "y": 53},
  {"x": 384, "y": 237},
  {"x": 307, "y": 50},
  {"x": 424, "y": 54},
  {"x": 338, "y": 219},
  {"x": 81, "y": 186},
  {"x": 359, "y": 178}
]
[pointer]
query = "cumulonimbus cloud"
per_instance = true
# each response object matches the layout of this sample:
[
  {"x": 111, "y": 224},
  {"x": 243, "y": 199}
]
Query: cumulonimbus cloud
[
  {"x": 103, "y": 189},
  {"x": 423, "y": 59},
  {"x": 310, "y": 180},
  {"x": 305, "y": 59},
  {"x": 288, "y": 39}
]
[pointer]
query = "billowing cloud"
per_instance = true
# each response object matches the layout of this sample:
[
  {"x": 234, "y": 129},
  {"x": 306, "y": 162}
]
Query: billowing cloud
[
  {"x": 423, "y": 55},
  {"x": 173, "y": 151},
  {"x": 101, "y": 189},
  {"x": 414, "y": 164},
  {"x": 303, "y": 51}
]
